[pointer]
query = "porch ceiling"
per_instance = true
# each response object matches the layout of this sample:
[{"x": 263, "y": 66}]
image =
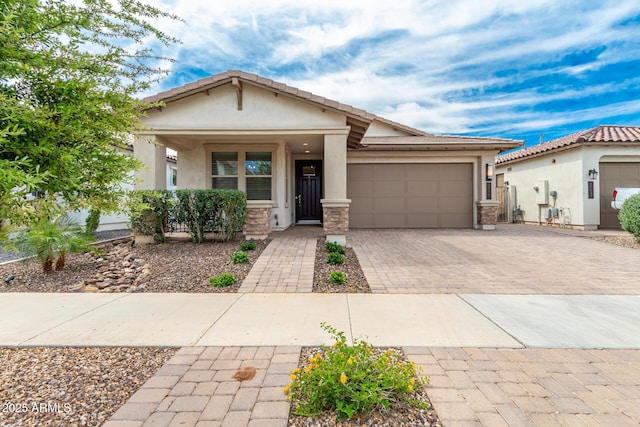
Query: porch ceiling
[{"x": 298, "y": 144}]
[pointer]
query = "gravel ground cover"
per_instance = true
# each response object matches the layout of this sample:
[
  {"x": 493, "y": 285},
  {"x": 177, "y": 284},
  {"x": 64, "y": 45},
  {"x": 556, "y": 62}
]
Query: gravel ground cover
[
  {"x": 628, "y": 241},
  {"x": 397, "y": 416},
  {"x": 355, "y": 281},
  {"x": 71, "y": 386},
  {"x": 179, "y": 266}
]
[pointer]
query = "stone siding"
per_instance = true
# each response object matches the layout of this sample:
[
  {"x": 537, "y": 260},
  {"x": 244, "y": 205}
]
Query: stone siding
[
  {"x": 487, "y": 214},
  {"x": 335, "y": 220},
  {"x": 257, "y": 224}
]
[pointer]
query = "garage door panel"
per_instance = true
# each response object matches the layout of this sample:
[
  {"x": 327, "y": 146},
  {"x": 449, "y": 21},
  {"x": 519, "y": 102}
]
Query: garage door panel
[
  {"x": 387, "y": 172},
  {"x": 360, "y": 173},
  {"x": 453, "y": 205},
  {"x": 423, "y": 220},
  {"x": 614, "y": 175},
  {"x": 455, "y": 220},
  {"x": 422, "y": 172},
  {"x": 388, "y": 205},
  {"x": 362, "y": 188},
  {"x": 422, "y": 205},
  {"x": 357, "y": 220},
  {"x": 422, "y": 188},
  {"x": 630, "y": 170},
  {"x": 361, "y": 205},
  {"x": 459, "y": 188},
  {"x": 410, "y": 195},
  {"x": 388, "y": 188},
  {"x": 384, "y": 220}
]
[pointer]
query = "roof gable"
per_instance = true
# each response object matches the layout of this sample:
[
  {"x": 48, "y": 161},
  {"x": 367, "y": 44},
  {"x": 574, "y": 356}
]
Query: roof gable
[
  {"x": 596, "y": 135},
  {"x": 357, "y": 119}
]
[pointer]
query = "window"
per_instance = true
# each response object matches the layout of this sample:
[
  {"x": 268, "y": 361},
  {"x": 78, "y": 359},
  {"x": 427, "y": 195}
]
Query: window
[
  {"x": 174, "y": 176},
  {"x": 254, "y": 178},
  {"x": 258, "y": 175},
  {"x": 224, "y": 170}
]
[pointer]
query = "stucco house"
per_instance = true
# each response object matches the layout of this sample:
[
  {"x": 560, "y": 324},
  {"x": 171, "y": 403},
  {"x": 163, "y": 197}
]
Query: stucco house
[
  {"x": 569, "y": 181},
  {"x": 304, "y": 159}
]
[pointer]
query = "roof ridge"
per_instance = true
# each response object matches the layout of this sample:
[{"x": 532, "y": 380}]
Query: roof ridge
[{"x": 600, "y": 133}]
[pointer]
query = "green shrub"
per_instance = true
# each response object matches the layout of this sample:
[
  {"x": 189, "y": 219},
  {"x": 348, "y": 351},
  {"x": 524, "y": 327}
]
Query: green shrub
[
  {"x": 239, "y": 257},
  {"x": 93, "y": 221},
  {"x": 247, "y": 246},
  {"x": 352, "y": 380},
  {"x": 334, "y": 247},
  {"x": 222, "y": 211},
  {"x": 223, "y": 280},
  {"x": 149, "y": 212},
  {"x": 336, "y": 277},
  {"x": 335, "y": 258},
  {"x": 629, "y": 215}
]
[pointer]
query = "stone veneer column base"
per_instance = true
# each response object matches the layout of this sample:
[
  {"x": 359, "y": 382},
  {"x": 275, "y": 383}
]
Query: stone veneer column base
[
  {"x": 487, "y": 214},
  {"x": 335, "y": 220},
  {"x": 257, "y": 224}
]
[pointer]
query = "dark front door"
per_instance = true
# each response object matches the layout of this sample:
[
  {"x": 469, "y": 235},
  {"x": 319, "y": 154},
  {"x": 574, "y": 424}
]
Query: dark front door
[{"x": 308, "y": 190}]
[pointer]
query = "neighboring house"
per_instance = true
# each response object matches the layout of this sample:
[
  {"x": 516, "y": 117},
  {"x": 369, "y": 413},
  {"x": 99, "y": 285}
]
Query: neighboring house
[
  {"x": 570, "y": 181},
  {"x": 304, "y": 159},
  {"x": 120, "y": 221}
]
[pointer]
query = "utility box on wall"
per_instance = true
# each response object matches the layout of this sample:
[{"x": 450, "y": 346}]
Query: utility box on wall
[{"x": 542, "y": 196}]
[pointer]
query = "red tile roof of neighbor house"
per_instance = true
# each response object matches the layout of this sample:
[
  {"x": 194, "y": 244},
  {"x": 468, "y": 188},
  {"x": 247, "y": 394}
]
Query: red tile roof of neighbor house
[{"x": 607, "y": 134}]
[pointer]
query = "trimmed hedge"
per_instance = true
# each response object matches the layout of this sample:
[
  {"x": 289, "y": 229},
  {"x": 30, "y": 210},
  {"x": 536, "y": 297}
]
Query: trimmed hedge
[
  {"x": 221, "y": 211},
  {"x": 629, "y": 215}
]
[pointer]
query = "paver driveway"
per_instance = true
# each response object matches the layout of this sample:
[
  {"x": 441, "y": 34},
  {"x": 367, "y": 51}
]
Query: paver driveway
[{"x": 510, "y": 260}]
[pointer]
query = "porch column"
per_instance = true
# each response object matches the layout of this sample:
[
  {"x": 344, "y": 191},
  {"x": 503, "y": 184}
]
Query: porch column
[
  {"x": 154, "y": 156},
  {"x": 335, "y": 205},
  {"x": 487, "y": 206}
]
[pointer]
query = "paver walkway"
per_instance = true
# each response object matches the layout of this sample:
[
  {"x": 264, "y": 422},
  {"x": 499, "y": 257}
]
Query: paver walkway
[
  {"x": 285, "y": 265},
  {"x": 196, "y": 388},
  {"x": 468, "y": 387},
  {"x": 532, "y": 387},
  {"x": 513, "y": 259}
]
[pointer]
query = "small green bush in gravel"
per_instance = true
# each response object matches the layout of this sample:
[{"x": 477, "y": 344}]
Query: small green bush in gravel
[
  {"x": 334, "y": 247},
  {"x": 247, "y": 246},
  {"x": 223, "y": 280},
  {"x": 352, "y": 380},
  {"x": 239, "y": 257},
  {"x": 336, "y": 277},
  {"x": 629, "y": 215},
  {"x": 335, "y": 258}
]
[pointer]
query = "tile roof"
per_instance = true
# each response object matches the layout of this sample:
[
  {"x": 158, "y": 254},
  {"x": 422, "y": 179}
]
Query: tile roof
[{"x": 598, "y": 134}]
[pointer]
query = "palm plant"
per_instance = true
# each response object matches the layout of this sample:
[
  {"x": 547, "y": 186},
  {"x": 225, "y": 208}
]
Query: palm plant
[{"x": 46, "y": 239}]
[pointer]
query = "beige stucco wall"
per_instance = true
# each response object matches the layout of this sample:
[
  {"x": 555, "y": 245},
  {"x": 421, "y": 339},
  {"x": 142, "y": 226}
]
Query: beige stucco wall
[
  {"x": 261, "y": 109},
  {"x": 567, "y": 173}
]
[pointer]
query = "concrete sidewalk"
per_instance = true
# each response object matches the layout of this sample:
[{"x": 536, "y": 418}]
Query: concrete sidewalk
[{"x": 177, "y": 320}]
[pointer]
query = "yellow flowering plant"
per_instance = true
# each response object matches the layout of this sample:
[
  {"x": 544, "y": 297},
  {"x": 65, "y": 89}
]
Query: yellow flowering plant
[{"x": 353, "y": 380}]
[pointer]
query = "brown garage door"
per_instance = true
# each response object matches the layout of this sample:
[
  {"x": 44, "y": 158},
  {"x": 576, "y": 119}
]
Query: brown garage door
[
  {"x": 614, "y": 175},
  {"x": 410, "y": 195}
]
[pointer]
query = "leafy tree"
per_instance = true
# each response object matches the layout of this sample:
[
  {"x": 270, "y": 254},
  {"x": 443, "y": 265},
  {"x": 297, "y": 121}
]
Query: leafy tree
[{"x": 69, "y": 75}]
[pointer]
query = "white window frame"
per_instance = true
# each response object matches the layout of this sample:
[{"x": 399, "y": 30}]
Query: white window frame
[{"x": 242, "y": 159}]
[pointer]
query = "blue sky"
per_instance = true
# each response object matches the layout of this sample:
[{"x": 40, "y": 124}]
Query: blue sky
[{"x": 510, "y": 69}]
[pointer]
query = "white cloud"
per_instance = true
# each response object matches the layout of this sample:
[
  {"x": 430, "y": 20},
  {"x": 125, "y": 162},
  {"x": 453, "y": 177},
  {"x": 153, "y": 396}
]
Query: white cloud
[{"x": 444, "y": 66}]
